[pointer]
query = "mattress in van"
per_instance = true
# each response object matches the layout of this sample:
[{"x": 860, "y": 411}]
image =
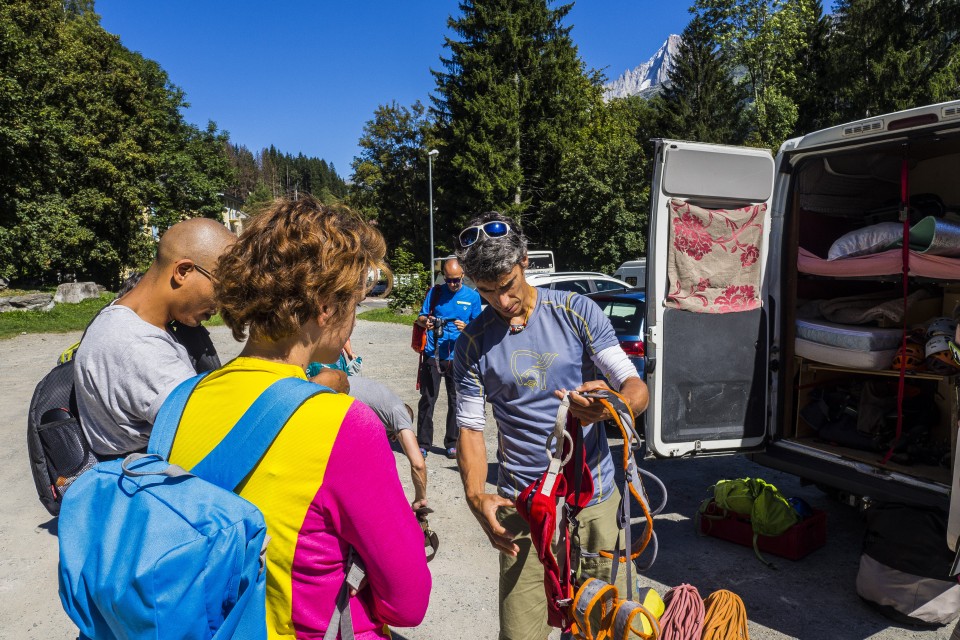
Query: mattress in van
[
  {"x": 842, "y": 357},
  {"x": 845, "y": 336}
]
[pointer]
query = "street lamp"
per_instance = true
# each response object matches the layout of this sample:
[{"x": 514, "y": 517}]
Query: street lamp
[{"x": 430, "y": 156}]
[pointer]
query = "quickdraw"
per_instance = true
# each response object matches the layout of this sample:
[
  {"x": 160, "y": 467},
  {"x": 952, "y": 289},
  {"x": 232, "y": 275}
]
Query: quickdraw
[{"x": 551, "y": 506}]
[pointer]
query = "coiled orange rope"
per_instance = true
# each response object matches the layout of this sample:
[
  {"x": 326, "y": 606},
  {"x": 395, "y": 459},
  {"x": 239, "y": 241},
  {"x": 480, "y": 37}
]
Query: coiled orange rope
[
  {"x": 683, "y": 617},
  {"x": 725, "y": 617}
]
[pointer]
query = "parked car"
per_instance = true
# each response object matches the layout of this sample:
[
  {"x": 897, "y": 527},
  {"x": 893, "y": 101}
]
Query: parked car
[
  {"x": 734, "y": 367},
  {"x": 577, "y": 281},
  {"x": 626, "y": 311}
]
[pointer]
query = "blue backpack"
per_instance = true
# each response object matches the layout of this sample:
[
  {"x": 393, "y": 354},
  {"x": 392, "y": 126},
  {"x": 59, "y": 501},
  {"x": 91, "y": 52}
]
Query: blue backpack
[{"x": 148, "y": 550}]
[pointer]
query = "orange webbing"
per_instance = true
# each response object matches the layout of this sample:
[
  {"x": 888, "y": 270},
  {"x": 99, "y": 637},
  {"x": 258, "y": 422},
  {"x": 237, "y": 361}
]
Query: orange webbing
[
  {"x": 606, "y": 597},
  {"x": 726, "y": 617},
  {"x": 627, "y": 439}
]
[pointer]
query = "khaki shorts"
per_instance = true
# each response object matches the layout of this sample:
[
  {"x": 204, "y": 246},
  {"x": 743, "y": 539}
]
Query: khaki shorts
[{"x": 523, "y": 601}]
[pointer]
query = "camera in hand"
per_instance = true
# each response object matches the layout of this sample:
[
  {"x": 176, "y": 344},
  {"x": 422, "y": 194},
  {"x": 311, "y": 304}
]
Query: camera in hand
[{"x": 438, "y": 329}]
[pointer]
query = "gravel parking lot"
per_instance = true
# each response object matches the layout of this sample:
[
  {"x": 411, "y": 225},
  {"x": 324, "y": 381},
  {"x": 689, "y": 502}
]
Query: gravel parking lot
[{"x": 814, "y": 598}]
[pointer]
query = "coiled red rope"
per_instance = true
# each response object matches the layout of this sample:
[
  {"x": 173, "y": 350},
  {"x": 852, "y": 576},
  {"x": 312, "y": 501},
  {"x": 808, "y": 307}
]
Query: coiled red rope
[{"x": 683, "y": 617}]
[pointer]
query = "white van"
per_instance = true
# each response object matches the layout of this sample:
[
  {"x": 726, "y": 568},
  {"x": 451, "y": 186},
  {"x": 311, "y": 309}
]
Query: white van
[
  {"x": 540, "y": 262},
  {"x": 633, "y": 272},
  {"x": 750, "y": 380}
]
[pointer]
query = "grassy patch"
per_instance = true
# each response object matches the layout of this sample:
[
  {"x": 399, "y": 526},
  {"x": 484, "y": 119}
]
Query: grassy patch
[
  {"x": 388, "y": 315},
  {"x": 9, "y": 293},
  {"x": 214, "y": 321},
  {"x": 60, "y": 319}
]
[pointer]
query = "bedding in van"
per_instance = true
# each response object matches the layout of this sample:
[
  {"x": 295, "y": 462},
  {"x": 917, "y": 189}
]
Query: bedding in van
[
  {"x": 856, "y": 338},
  {"x": 841, "y": 357},
  {"x": 879, "y": 264},
  {"x": 713, "y": 258}
]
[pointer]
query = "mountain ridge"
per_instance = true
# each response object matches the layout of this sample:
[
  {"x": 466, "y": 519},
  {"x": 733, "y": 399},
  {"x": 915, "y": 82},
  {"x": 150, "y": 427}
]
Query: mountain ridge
[{"x": 646, "y": 78}]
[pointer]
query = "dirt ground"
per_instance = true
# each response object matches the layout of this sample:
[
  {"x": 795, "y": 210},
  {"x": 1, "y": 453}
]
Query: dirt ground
[{"x": 814, "y": 598}]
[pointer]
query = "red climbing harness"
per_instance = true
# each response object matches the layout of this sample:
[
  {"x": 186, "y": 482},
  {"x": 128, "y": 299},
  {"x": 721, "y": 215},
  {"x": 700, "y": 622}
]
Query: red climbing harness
[{"x": 551, "y": 506}]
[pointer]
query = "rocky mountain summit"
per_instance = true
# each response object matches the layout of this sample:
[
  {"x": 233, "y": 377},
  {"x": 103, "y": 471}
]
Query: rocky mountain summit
[{"x": 646, "y": 78}]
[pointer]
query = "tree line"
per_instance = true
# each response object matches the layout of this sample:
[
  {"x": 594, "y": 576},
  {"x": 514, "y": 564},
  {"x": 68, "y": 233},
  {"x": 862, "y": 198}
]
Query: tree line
[
  {"x": 521, "y": 125},
  {"x": 96, "y": 159}
]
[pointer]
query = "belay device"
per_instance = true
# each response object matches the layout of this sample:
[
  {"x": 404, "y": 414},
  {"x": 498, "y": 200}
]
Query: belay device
[{"x": 588, "y": 607}]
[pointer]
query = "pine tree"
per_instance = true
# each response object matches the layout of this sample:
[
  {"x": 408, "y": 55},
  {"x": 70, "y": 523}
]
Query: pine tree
[
  {"x": 889, "y": 56},
  {"x": 701, "y": 101},
  {"x": 511, "y": 97}
]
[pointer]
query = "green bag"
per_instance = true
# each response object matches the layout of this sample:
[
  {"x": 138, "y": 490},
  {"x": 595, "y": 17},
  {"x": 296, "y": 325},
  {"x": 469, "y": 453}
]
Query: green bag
[{"x": 771, "y": 514}]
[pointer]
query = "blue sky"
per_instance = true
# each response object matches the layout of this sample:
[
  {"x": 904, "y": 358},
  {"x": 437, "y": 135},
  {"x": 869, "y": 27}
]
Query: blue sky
[{"x": 305, "y": 75}]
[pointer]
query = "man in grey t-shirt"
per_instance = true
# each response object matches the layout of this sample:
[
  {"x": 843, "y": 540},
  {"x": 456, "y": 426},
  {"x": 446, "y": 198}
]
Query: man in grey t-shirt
[
  {"x": 129, "y": 360},
  {"x": 523, "y": 351}
]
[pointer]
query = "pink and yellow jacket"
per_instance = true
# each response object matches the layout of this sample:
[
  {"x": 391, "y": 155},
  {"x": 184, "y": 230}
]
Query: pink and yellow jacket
[{"x": 328, "y": 482}]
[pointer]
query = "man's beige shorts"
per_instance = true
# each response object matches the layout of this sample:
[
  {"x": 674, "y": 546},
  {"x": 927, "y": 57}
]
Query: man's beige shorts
[{"x": 523, "y": 601}]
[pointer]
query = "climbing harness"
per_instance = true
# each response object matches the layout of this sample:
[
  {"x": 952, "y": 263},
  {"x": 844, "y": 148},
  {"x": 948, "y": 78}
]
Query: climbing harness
[{"x": 551, "y": 505}]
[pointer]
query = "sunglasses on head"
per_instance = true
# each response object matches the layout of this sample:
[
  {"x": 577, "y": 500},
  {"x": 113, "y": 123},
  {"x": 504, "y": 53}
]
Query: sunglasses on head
[{"x": 492, "y": 229}]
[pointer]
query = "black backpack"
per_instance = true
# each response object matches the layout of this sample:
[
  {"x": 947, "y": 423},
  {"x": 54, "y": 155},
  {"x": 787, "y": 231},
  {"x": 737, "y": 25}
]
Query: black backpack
[
  {"x": 57, "y": 448},
  {"x": 906, "y": 565}
]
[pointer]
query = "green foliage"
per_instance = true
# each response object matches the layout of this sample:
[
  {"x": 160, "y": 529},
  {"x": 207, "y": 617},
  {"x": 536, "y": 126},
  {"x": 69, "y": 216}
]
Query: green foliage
[
  {"x": 892, "y": 56},
  {"x": 390, "y": 178},
  {"x": 60, "y": 319},
  {"x": 410, "y": 281},
  {"x": 257, "y": 180},
  {"x": 701, "y": 101},
  {"x": 604, "y": 197},
  {"x": 388, "y": 315},
  {"x": 93, "y": 148},
  {"x": 764, "y": 37},
  {"x": 511, "y": 101}
]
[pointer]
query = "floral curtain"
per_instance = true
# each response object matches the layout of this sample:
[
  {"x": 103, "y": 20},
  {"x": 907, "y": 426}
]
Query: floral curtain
[{"x": 714, "y": 258}]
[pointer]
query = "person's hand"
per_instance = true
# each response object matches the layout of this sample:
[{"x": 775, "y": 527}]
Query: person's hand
[
  {"x": 484, "y": 507},
  {"x": 430, "y": 320},
  {"x": 460, "y": 324},
  {"x": 333, "y": 378},
  {"x": 588, "y": 410}
]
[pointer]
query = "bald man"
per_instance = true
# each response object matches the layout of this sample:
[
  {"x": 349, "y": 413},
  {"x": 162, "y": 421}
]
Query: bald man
[
  {"x": 454, "y": 306},
  {"x": 131, "y": 356}
]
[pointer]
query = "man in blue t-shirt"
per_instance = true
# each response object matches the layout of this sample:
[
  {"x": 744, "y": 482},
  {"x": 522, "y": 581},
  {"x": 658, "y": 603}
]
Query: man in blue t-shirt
[
  {"x": 527, "y": 347},
  {"x": 450, "y": 307}
]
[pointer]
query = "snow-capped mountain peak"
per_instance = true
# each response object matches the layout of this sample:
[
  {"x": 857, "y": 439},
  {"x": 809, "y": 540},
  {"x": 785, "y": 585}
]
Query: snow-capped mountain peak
[{"x": 651, "y": 73}]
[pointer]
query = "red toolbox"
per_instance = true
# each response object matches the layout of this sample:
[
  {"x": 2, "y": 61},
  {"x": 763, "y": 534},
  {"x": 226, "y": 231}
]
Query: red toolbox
[{"x": 796, "y": 542}]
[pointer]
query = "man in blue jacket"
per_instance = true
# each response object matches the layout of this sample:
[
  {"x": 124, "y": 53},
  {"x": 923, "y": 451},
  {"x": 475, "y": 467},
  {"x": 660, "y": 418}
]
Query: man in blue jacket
[{"x": 448, "y": 307}]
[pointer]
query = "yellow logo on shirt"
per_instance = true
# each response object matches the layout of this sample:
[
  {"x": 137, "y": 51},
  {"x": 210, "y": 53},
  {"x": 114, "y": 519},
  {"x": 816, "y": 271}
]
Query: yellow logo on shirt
[{"x": 530, "y": 368}]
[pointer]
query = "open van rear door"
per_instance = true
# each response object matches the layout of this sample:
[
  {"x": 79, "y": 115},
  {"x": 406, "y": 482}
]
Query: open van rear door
[{"x": 707, "y": 371}]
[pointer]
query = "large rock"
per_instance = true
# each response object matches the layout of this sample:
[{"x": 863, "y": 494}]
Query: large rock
[
  {"x": 4, "y": 284},
  {"x": 74, "y": 292},
  {"x": 30, "y": 302}
]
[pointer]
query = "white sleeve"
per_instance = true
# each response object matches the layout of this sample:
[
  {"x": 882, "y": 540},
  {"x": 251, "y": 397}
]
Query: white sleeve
[
  {"x": 615, "y": 365},
  {"x": 470, "y": 412}
]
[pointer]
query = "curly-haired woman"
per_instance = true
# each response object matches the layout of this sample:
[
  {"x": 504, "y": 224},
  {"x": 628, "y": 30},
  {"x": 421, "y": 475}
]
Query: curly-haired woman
[{"x": 329, "y": 480}]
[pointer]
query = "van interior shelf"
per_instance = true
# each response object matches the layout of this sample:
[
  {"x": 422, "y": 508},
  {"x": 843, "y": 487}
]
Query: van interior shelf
[
  {"x": 887, "y": 278},
  {"x": 885, "y": 263},
  {"x": 895, "y": 373}
]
